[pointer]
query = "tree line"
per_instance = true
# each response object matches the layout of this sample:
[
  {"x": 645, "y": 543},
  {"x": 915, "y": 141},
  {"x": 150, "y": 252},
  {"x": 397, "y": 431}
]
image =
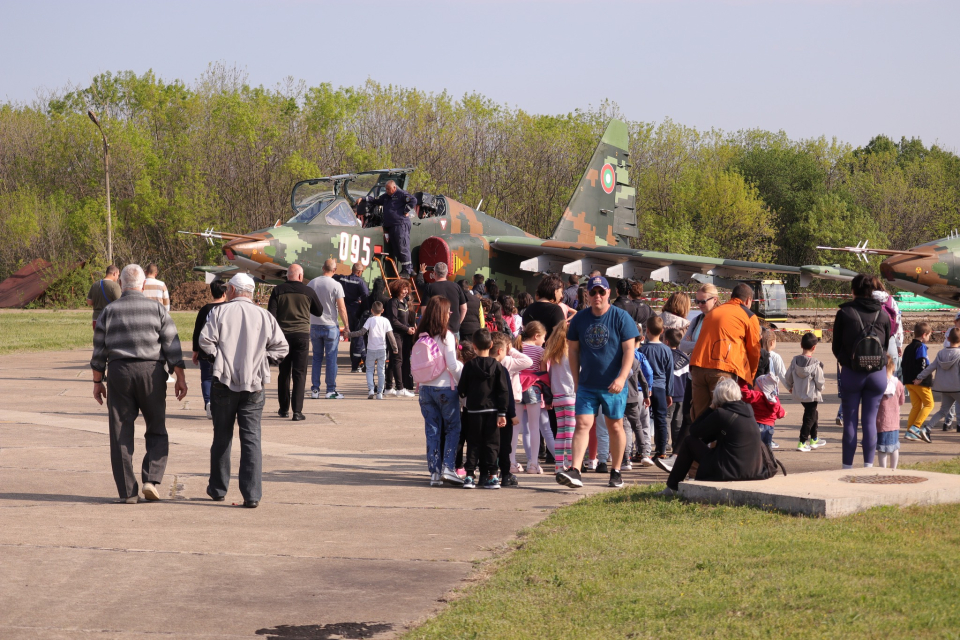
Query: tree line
[{"x": 221, "y": 153}]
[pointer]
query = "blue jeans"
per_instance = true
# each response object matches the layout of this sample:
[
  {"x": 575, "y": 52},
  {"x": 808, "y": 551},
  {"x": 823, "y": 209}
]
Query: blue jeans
[
  {"x": 325, "y": 340},
  {"x": 766, "y": 434},
  {"x": 376, "y": 357},
  {"x": 206, "y": 380},
  {"x": 440, "y": 407},
  {"x": 245, "y": 408}
]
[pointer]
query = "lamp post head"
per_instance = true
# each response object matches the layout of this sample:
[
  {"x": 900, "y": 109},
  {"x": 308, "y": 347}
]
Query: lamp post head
[{"x": 93, "y": 117}]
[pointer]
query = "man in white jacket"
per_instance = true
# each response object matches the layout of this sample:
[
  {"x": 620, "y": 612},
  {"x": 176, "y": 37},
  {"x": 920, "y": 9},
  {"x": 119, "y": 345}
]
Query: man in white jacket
[{"x": 243, "y": 340}]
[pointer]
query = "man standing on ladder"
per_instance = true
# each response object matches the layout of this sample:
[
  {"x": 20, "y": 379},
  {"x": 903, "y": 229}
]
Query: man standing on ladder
[{"x": 398, "y": 207}]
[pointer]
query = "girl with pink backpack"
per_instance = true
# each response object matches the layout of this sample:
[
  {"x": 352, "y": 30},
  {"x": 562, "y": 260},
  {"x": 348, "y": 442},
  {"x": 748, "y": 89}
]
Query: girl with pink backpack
[{"x": 434, "y": 365}]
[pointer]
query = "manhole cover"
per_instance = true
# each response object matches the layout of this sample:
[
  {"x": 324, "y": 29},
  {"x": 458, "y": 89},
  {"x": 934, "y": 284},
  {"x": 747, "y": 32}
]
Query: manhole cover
[{"x": 883, "y": 479}]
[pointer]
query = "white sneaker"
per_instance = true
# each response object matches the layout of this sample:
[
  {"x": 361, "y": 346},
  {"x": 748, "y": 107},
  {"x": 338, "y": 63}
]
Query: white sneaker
[
  {"x": 209, "y": 412},
  {"x": 391, "y": 392},
  {"x": 379, "y": 396},
  {"x": 333, "y": 395},
  {"x": 627, "y": 466},
  {"x": 803, "y": 446},
  {"x": 646, "y": 461},
  {"x": 150, "y": 491},
  {"x": 591, "y": 465},
  {"x": 406, "y": 393},
  {"x": 450, "y": 477},
  {"x": 436, "y": 480},
  {"x": 816, "y": 444},
  {"x": 370, "y": 394},
  {"x": 315, "y": 394}
]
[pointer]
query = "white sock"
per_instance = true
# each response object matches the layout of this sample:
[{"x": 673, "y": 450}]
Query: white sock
[
  {"x": 867, "y": 465},
  {"x": 894, "y": 458},
  {"x": 848, "y": 466},
  {"x": 883, "y": 458}
]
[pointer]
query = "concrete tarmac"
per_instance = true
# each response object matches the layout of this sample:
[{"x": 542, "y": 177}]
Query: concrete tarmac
[{"x": 349, "y": 537}]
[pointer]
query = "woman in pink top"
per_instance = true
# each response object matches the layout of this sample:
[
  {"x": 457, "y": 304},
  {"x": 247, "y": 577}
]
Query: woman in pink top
[{"x": 888, "y": 419}]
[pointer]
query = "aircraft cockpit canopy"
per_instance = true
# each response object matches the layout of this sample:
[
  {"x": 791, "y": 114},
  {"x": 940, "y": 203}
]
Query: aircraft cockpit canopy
[{"x": 335, "y": 197}]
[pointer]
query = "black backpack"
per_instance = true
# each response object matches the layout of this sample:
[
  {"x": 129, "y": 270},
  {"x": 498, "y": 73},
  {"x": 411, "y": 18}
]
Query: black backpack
[
  {"x": 770, "y": 463},
  {"x": 868, "y": 353}
]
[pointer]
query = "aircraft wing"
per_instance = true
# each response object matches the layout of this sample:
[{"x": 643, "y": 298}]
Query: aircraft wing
[{"x": 623, "y": 262}]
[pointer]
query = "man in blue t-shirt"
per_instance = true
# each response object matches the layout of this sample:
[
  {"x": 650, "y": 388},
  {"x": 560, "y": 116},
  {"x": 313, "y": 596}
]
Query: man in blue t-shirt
[{"x": 600, "y": 340}]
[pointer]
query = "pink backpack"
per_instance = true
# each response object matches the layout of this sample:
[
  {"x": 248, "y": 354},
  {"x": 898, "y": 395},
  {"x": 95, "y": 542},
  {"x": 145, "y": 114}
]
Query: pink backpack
[{"x": 426, "y": 360}]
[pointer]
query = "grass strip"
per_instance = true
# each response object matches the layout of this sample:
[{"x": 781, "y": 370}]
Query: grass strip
[
  {"x": 629, "y": 564},
  {"x": 22, "y": 331}
]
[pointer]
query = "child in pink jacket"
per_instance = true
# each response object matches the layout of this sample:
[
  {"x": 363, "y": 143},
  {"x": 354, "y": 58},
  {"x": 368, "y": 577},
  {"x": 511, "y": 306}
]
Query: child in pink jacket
[{"x": 888, "y": 419}]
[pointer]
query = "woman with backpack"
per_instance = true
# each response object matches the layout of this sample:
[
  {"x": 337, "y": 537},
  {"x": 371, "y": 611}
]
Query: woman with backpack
[
  {"x": 434, "y": 364},
  {"x": 861, "y": 336}
]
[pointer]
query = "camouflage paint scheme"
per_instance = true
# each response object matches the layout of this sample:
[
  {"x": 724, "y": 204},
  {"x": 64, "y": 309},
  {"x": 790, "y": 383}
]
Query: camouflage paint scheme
[{"x": 593, "y": 233}]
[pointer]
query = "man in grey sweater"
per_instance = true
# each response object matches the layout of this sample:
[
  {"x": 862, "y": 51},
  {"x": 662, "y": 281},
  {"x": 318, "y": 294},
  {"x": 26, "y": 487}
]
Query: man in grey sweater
[
  {"x": 132, "y": 341},
  {"x": 242, "y": 340}
]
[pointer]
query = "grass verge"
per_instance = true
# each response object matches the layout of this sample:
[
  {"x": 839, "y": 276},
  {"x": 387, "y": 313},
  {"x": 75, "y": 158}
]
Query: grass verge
[
  {"x": 22, "y": 331},
  {"x": 629, "y": 564}
]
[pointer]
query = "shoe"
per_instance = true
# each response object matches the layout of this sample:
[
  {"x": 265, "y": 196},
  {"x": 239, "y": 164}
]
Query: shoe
[
  {"x": 297, "y": 416},
  {"x": 803, "y": 446},
  {"x": 379, "y": 396},
  {"x": 461, "y": 472},
  {"x": 839, "y": 422},
  {"x": 602, "y": 468},
  {"x": 668, "y": 493},
  {"x": 213, "y": 497},
  {"x": 774, "y": 445},
  {"x": 590, "y": 465},
  {"x": 333, "y": 395},
  {"x": 363, "y": 368},
  {"x": 626, "y": 466},
  {"x": 469, "y": 483},
  {"x": 209, "y": 412},
  {"x": 354, "y": 370},
  {"x": 283, "y": 414},
  {"x": 645, "y": 461},
  {"x": 405, "y": 393},
  {"x": 510, "y": 480},
  {"x": 493, "y": 482},
  {"x": 391, "y": 392},
  {"x": 370, "y": 394},
  {"x": 516, "y": 467},
  {"x": 315, "y": 394},
  {"x": 150, "y": 491},
  {"x": 925, "y": 434},
  {"x": 665, "y": 464},
  {"x": 132, "y": 500},
  {"x": 570, "y": 477},
  {"x": 251, "y": 504},
  {"x": 912, "y": 434},
  {"x": 946, "y": 427},
  {"x": 616, "y": 481},
  {"x": 636, "y": 458},
  {"x": 449, "y": 476},
  {"x": 534, "y": 469},
  {"x": 436, "y": 480},
  {"x": 816, "y": 443}
]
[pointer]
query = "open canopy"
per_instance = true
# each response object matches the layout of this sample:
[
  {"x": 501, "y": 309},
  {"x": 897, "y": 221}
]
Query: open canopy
[{"x": 311, "y": 198}]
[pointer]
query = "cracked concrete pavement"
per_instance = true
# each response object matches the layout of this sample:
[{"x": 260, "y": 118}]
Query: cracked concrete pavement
[{"x": 348, "y": 530}]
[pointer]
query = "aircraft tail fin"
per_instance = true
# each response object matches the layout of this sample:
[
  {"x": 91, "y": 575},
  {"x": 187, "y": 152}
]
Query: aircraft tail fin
[{"x": 602, "y": 209}]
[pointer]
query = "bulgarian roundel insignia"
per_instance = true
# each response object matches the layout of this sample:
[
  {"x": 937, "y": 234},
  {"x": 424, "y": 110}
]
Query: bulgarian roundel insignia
[{"x": 608, "y": 178}]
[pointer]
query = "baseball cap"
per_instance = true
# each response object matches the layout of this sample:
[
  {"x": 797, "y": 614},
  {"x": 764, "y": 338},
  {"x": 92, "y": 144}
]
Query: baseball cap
[
  {"x": 242, "y": 281},
  {"x": 598, "y": 281}
]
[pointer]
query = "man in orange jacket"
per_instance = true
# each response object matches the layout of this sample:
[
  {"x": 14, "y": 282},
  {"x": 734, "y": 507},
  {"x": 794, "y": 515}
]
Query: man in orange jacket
[{"x": 728, "y": 347}]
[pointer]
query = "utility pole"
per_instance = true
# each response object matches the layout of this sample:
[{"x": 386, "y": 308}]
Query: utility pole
[{"x": 106, "y": 169}]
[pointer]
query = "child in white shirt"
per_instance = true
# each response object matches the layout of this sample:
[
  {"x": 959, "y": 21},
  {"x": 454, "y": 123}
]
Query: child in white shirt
[{"x": 379, "y": 333}]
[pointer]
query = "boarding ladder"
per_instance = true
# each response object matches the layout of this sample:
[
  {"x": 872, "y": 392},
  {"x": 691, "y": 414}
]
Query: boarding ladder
[{"x": 382, "y": 261}]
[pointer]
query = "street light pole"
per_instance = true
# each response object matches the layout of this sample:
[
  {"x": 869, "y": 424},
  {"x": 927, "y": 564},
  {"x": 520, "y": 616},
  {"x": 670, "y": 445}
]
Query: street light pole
[{"x": 106, "y": 169}]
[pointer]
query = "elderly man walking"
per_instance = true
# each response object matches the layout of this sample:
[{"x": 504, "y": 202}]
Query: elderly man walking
[
  {"x": 243, "y": 340},
  {"x": 133, "y": 340},
  {"x": 728, "y": 347},
  {"x": 291, "y": 304}
]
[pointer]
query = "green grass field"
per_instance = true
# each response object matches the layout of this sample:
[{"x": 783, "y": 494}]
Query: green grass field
[
  {"x": 629, "y": 564},
  {"x": 53, "y": 330}
]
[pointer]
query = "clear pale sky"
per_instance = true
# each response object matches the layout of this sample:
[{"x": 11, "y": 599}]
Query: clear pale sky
[{"x": 850, "y": 69}]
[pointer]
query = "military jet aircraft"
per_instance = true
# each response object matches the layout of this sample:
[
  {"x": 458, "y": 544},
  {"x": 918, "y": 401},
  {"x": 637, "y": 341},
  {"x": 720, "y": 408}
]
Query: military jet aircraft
[
  {"x": 931, "y": 270},
  {"x": 593, "y": 233}
]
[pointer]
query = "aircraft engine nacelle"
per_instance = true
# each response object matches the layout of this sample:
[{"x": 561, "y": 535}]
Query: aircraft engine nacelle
[{"x": 462, "y": 254}]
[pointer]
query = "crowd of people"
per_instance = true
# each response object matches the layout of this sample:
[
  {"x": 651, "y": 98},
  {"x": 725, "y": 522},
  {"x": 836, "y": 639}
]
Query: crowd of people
[{"x": 583, "y": 383}]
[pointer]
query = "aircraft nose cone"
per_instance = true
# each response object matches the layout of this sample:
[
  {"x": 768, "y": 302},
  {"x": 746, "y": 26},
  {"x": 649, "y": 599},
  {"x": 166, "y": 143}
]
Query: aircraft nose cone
[{"x": 887, "y": 271}]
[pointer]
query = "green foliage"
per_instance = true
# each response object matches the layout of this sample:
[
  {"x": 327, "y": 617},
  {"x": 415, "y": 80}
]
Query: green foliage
[{"x": 222, "y": 153}]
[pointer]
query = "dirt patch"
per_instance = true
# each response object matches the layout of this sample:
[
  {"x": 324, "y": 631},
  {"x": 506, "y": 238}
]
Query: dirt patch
[{"x": 190, "y": 296}]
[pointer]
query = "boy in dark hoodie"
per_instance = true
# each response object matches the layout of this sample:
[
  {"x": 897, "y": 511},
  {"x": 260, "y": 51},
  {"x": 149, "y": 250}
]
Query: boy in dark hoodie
[
  {"x": 486, "y": 386},
  {"x": 921, "y": 395}
]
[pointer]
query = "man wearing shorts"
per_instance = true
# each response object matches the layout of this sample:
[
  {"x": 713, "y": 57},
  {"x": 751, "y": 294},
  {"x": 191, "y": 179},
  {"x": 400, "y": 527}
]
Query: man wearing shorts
[{"x": 600, "y": 340}]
